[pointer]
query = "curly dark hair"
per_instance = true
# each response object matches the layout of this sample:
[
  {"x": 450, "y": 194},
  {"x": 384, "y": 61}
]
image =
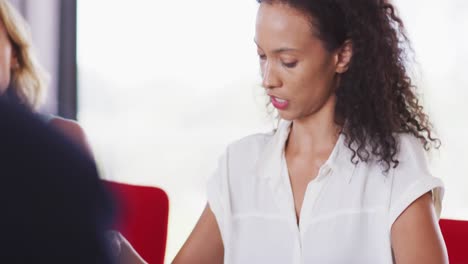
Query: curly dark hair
[{"x": 375, "y": 96}]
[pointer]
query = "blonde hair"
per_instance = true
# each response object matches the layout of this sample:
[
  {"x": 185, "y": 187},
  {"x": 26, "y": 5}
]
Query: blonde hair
[{"x": 28, "y": 78}]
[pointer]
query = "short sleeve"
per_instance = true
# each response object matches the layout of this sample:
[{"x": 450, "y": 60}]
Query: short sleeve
[
  {"x": 217, "y": 192},
  {"x": 411, "y": 179}
]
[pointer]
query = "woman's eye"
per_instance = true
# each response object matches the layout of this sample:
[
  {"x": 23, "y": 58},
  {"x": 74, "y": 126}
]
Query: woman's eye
[
  {"x": 289, "y": 64},
  {"x": 262, "y": 56}
]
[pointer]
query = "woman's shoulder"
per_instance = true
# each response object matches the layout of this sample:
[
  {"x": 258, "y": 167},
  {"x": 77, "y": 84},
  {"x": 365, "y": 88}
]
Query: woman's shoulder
[
  {"x": 250, "y": 144},
  {"x": 72, "y": 130},
  {"x": 69, "y": 127},
  {"x": 411, "y": 153},
  {"x": 59, "y": 122},
  {"x": 412, "y": 177}
]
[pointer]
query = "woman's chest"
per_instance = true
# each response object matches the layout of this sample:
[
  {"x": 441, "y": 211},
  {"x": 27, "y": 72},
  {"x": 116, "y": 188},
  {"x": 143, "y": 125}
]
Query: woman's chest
[{"x": 344, "y": 237}]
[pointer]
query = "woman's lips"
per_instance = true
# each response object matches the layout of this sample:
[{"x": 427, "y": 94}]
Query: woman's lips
[{"x": 279, "y": 103}]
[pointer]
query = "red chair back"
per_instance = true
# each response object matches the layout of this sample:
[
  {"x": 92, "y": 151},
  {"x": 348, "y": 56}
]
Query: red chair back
[
  {"x": 142, "y": 217},
  {"x": 455, "y": 234}
]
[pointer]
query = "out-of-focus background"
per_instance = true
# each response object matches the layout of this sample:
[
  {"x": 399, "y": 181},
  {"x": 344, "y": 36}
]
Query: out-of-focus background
[{"x": 161, "y": 87}]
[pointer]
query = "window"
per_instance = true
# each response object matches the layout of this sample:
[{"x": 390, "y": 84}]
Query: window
[{"x": 163, "y": 88}]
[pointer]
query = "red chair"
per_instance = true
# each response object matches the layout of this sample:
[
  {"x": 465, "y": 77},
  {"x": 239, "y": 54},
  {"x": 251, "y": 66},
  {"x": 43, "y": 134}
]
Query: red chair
[
  {"x": 142, "y": 217},
  {"x": 455, "y": 234}
]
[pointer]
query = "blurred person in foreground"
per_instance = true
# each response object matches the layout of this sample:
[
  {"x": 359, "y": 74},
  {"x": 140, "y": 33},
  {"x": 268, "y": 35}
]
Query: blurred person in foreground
[
  {"x": 344, "y": 177},
  {"x": 23, "y": 82},
  {"x": 54, "y": 206}
]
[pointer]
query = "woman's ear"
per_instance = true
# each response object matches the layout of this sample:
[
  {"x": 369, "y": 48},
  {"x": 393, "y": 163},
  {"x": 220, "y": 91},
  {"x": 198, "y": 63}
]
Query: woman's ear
[{"x": 344, "y": 56}]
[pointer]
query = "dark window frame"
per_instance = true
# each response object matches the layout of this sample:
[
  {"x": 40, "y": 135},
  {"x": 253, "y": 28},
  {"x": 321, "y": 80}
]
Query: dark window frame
[{"x": 67, "y": 64}]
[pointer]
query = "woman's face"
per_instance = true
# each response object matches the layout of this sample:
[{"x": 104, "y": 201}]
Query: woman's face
[
  {"x": 6, "y": 59},
  {"x": 298, "y": 73}
]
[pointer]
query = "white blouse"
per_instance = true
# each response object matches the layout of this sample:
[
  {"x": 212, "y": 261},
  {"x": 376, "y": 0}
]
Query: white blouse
[{"x": 346, "y": 215}]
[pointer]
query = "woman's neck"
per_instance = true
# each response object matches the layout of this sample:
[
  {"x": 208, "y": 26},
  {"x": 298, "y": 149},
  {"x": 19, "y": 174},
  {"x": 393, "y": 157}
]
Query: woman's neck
[{"x": 314, "y": 133}]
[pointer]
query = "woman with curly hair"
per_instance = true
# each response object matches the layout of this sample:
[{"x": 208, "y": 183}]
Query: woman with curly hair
[{"x": 343, "y": 179}]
